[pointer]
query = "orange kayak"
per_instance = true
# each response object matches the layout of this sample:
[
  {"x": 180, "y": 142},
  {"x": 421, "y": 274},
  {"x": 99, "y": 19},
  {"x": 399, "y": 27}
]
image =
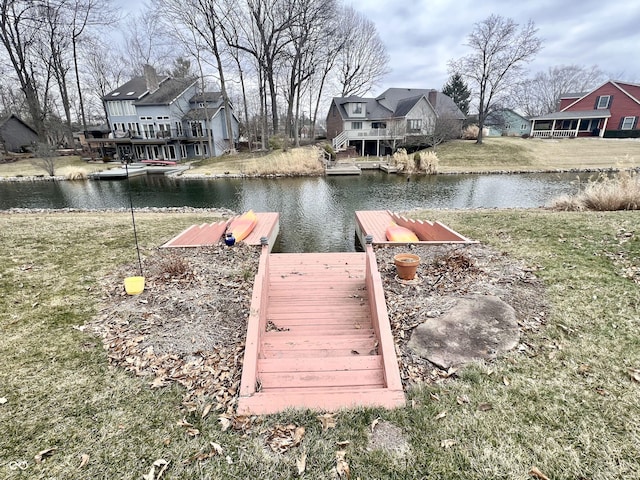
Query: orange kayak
[
  {"x": 243, "y": 225},
  {"x": 396, "y": 233}
]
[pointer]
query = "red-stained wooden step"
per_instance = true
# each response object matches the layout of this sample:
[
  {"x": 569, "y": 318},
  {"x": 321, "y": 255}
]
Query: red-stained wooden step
[{"x": 316, "y": 346}]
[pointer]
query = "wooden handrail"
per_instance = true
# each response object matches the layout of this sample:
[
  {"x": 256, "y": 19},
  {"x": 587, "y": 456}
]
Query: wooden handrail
[
  {"x": 380, "y": 321},
  {"x": 256, "y": 325}
]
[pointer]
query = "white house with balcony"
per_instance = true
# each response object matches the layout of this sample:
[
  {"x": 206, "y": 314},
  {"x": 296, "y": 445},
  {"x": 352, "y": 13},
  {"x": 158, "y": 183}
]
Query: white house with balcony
[
  {"x": 377, "y": 126},
  {"x": 164, "y": 118}
]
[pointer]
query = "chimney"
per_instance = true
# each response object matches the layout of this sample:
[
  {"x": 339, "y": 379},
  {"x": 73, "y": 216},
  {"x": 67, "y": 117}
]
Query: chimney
[
  {"x": 433, "y": 95},
  {"x": 151, "y": 77}
]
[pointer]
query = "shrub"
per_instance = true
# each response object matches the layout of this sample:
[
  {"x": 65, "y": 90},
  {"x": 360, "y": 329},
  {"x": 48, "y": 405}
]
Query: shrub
[
  {"x": 329, "y": 149},
  {"x": 420, "y": 162},
  {"x": 76, "y": 174},
  {"x": 606, "y": 193},
  {"x": 276, "y": 143},
  {"x": 429, "y": 162},
  {"x": 470, "y": 132}
]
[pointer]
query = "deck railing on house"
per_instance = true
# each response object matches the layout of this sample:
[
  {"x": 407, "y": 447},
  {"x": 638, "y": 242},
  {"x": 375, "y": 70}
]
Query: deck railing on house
[{"x": 553, "y": 133}]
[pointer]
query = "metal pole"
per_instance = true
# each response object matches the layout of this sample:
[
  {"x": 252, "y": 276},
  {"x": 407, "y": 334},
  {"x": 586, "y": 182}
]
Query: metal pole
[{"x": 133, "y": 218}]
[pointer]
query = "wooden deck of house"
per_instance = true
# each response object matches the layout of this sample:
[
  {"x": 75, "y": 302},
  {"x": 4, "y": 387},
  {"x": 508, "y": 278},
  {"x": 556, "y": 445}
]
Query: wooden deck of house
[
  {"x": 211, "y": 233},
  {"x": 318, "y": 335},
  {"x": 375, "y": 223}
]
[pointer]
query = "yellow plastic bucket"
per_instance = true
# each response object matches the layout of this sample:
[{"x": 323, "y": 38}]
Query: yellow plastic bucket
[{"x": 134, "y": 285}]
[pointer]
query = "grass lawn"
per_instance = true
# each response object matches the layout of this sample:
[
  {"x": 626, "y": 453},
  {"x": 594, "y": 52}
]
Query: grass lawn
[
  {"x": 63, "y": 166},
  {"x": 564, "y": 402},
  {"x": 513, "y": 153}
]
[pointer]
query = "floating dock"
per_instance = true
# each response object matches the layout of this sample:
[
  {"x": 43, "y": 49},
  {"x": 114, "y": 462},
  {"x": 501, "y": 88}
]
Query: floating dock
[
  {"x": 208, "y": 234},
  {"x": 135, "y": 170},
  {"x": 375, "y": 223},
  {"x": 318, "y": 336},
  {"x": 343, "y": 170}
]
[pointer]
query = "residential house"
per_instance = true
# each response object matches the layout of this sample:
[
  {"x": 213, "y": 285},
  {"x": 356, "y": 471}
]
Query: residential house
[
  {"x": 155, "y": 118},
  {"x": 15, "y": 134},
  {"x": 376, "y": 126},
  {"x": 609, "y": 111},
  {"x": 506, "y": 122}
]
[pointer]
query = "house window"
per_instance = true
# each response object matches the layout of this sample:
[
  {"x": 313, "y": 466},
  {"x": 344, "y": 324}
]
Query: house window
[
  {"x": 603, "y": 102},
  {"x": 378, "y": 125},
  {"x": 356, "y": 125},
  {"x": 197, "y": 150},
  {"x": 627, "y": 123},
  {"x": 128, "y": 108},
  {"x": 115, "y": 108},
  {"x": 357, "y": 109},
  {"x": 179, "y": 129},
  {"x": 414, "y": 125},
  {"x": 183, "y": 151}
]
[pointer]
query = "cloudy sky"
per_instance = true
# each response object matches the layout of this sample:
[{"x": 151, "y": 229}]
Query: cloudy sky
[{"x": 421, "y": 36}]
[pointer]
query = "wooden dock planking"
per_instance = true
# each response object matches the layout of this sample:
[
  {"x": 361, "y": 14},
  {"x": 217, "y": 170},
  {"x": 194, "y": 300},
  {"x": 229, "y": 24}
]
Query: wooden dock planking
[
  {"x": 318, "y": 347},
  {"x": 268, "y": 226},
  {"x": 375, "y": 223}
]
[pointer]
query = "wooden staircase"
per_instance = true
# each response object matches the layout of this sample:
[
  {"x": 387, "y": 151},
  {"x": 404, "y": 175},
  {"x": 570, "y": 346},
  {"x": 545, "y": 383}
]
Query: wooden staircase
[{"x": 318, "y": 336}]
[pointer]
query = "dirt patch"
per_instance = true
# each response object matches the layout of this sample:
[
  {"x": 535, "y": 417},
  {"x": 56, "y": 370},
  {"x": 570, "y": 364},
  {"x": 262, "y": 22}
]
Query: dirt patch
[
  {"x": 389, "y": 438},
  {"x": 189, "y": 324},
  {"x": 446, "y": 274}
]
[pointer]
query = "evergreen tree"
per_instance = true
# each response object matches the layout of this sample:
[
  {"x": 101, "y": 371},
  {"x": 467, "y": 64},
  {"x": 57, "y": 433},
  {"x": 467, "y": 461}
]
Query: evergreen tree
[{"x": 458, "y": 91}]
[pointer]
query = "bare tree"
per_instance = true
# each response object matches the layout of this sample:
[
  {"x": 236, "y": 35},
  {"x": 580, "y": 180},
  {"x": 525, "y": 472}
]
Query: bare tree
[
  {"x": 500, "y": 49},
  {"x": 19, "y": 36},
  {"x": 147, "y": 43},
  {"x": 541, "y": 94},
  {"x": 363, "y": 60},
  {"x": 45, "y": 158},
  {"x": 202, "y": 18}
]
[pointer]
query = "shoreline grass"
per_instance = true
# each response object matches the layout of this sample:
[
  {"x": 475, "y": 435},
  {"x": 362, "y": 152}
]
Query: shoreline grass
[
  {"x": 564, "y": 402},
  {"x": 496, "y": 155}
]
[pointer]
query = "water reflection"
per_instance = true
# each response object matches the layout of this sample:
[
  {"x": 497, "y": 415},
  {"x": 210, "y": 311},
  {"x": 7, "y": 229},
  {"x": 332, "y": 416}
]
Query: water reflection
[{"x": 317, "y": 214}]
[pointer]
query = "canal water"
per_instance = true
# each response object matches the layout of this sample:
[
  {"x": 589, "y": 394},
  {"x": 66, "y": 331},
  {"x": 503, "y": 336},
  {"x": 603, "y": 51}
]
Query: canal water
[{"x": 316, "y": 214}]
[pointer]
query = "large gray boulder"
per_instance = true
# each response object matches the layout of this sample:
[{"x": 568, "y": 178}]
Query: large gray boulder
[{"x": 477, "y": 327}]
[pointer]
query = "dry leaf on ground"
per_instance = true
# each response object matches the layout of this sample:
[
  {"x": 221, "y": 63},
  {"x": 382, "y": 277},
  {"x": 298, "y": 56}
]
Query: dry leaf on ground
[
  {"x": 441, "y": 415},
  {"x": 84, "y": 460},
  {"x": 160, "y": 464},
  {"x": 538, "y": 474},
  {"x": 448, "y": 443},
  {"x": 301, "y": 463},
  {"x": 284, "y": 437},
  {"x": 43, "y": 454},
  {"x": 328, "y": 420},
  {"x": 342, "y": 467},
  {"x": 485, "y": 407},
  {"x": 635, "y": 374}
]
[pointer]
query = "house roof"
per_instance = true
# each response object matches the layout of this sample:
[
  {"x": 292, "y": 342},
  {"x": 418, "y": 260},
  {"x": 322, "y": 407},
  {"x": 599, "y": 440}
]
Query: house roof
[
  {"x": 575, "y": 114},
  {"x": 497, "y": 117},
  {"x": 206, "y": 97},
  {"x": 374, "y": 111},
  {"x": 132, "y": 90},
  {"x": 442, "y": 104},
  {"x": 201, "y": 113},
  {"x": 398, "y": 102},
  {"x": 167, "y": 92},
  {"x": 6, "y": 119}
]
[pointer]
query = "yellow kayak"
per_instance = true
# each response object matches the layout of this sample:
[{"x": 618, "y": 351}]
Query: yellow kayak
[
  {"x": 243, "y": 225},
  {"x": 396, "y": 233}
]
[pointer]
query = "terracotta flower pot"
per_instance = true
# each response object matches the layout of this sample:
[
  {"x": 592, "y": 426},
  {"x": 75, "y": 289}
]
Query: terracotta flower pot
[{"x": 406, "y": 265}]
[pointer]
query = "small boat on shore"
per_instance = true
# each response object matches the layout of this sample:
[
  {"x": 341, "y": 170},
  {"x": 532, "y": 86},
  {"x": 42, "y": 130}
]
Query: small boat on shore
[
  {"x": 396, "y": 233},
  {"x": 242, "y": 226}
]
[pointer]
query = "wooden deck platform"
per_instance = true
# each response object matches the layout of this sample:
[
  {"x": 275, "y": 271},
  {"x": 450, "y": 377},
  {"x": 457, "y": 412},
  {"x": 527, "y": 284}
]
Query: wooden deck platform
[
  {"x": 318, "y": 336},
  {"x": 211, "y": 233},
  {"x": 375, "y": 223}
]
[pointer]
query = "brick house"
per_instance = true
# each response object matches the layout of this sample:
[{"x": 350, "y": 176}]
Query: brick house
[{"x": 609, "y": 111}]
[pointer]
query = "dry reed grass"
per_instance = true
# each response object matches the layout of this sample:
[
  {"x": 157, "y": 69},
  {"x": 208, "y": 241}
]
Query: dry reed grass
[
  {"x": 470, "y": 132},
  {"x": 606, "y": 193},
  {"x": 76, "y": 174},
  {"x": 420, "y": 162},
  {"x": 295, "y": 162}
]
